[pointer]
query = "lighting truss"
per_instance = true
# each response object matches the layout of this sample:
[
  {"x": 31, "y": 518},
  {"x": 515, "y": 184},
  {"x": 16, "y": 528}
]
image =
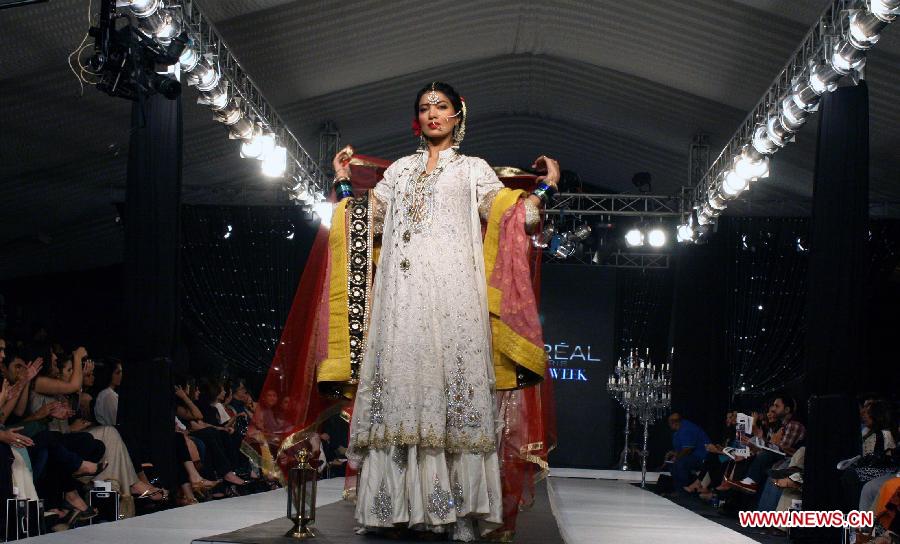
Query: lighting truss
[
  {"x": 234, "y": 98},
  {"x": 834, "y": 49},
  {"x": 615, "y": 204},
  {"x": 619, "y": 259}
]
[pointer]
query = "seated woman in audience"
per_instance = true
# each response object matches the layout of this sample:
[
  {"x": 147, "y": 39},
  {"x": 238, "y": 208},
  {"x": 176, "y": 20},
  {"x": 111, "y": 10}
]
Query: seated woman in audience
[
  {"x": 56, "y": 459},
  {"x": 220, "y": 451},
  {"x": 119, "y": 465},
  {"x": 106, "y": 407},
  {"x": 878, "y": 450}
]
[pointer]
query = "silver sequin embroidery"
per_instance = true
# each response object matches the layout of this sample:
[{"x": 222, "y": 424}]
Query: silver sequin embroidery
[
  {"x": 382, "y": 507},
  {"x": 461, "y": 411},
  {"x": 440, "y": 501},
  {"x": 377, "y": 391},
  {"x": 458, "y": 495},
  {"x": 400, "y": 457}
]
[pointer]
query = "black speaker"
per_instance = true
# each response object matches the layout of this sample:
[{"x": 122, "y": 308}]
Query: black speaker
[{"x": 107, "y": 504}]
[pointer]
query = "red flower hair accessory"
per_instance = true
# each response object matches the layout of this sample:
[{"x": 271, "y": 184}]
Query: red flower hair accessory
[{"x": 416, "y": 127}]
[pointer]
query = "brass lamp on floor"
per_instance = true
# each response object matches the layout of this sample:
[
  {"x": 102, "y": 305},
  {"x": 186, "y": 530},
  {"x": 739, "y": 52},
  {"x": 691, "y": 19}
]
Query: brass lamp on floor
[{"x": 301, "y": 505}]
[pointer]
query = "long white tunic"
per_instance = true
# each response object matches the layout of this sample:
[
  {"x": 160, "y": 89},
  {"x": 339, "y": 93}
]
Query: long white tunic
[{"x": 423, "y": 419}]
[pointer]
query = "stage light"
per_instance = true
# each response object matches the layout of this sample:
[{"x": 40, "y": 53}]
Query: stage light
[
  {"x": 865, "y": 29},
  {"x": 229, "y": 115},
  {"x": 684, "y": 233},
  {"x": 734, "y": 184},
  {"x": 823, "y": 78},
  {"x": 846, "y": 58},
  {"x": 161, "y": 25},
  {"x": 885, "y": 8},
  {"x": 717, "y": 200},
  {"x": 656, "y": 237},
  {"x": 805, "y": 96},
  {"x": 776, "y": 131},
  {"x": 751, "y": 164},
  {"x": 762, "y": 142},
  {"x": 275, "y": 162},
  {"x": 188, "y": 59},
  {"x": 792, "y": 116},
  {"x": 204, "y": 76},
  {"x": 259, "y": 146},
  {"x": 324, "y": 211},
  {"x": 144, "y": 8},
  {"x": 565, "y": 250},
  {"x": 634, "y": 238},
  {"x": 580, "y": 233},
  {"x": 216, "y": 98},
  {"x": 542, "y": 239}
]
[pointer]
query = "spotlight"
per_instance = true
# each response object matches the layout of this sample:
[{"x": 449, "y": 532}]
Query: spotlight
[
  {"x": 823, "y": 78},
  {"x": 324, "y": 211},
  {"x": 216, "y": 98},
  {"x": 161, "y": 25},
  {"x": 751, "y": 164},
  {"x": 542, "y": 239},
  {"x": 685, "y": 233},
  {"x": 634, "y": 238},
  {"x": 204, "y": 75},
  {"x": 228, "y": 115},
  {"x": 886, "y": 10},
  {"x": 762, "y": 142},
  {"x": 792, "y": 116},
  {"x": 776, "y": 131},
  {"x": 259, "y": 146},
  {"x": 717, "y": 200},
  {"x": 275, "y": 162},
  {"x": 580, "y": 233},
  {"x": 656, "y": 237},
  {"x": 242, "y": 129},
  {"x": 846, "y": 58},
  {"x": 188, "y": 59},
  {"x": 865, "y": 29},
  {"x": 565, "y": 250},
  {"x": 805, "y": 96},
  {"x": 144, "y": 8},
  {"x": 734, "y": 184}
]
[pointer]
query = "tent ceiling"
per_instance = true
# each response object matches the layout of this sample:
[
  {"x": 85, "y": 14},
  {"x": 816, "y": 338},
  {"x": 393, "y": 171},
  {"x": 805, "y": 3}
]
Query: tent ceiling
[{"x": 610, "y": 88}]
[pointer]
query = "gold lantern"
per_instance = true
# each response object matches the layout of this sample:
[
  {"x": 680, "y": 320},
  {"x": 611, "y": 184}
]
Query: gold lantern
[{"x": 301, "y": 505}]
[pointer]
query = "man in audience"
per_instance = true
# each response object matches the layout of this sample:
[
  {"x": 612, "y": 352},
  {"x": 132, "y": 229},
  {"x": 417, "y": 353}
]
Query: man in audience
[
  {"x": 689, "y": 449},
  {"x": 787, "y": 439}
]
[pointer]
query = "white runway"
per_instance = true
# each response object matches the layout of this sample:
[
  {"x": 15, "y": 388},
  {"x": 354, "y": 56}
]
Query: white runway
[{"x": 589, "y": 509}]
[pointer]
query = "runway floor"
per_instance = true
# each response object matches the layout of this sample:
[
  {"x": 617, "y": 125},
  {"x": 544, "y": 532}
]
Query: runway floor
[{"x": 588, "y": 509}]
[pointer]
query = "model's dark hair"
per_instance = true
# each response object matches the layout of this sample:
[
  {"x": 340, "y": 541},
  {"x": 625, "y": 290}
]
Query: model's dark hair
[{"x": 440, "y": 87}]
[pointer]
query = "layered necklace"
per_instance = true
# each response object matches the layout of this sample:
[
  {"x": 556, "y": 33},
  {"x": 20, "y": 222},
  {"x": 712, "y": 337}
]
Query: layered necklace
[{"x": 417, "y": 201}]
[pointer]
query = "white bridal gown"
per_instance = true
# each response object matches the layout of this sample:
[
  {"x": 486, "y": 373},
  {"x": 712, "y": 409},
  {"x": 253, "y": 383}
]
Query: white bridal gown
[{"x": 423, "y": 422}]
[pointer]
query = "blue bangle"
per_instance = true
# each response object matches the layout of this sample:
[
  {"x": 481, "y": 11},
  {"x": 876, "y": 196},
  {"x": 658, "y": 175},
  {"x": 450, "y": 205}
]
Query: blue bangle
[
  {"x": 545, "y": 192},
  {"x": 343, "y": 189}
]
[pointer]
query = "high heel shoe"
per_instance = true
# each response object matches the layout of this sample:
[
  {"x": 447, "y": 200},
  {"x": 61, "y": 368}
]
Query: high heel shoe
[
  {"x": 76, "y": 515},
  {"x": 151, "y": 493},
  {"x": 202, "y": 487}
]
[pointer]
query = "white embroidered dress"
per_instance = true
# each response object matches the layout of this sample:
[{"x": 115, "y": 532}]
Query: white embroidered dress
[{"x": 423, "y": 420}]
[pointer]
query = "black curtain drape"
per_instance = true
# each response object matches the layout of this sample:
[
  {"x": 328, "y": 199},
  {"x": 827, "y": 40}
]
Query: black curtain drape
[
  {"x": 241, "y": 266},
  {"x": 836, "y": 313},
  {"x": 152, "y": 204},
  {"x": 700, "y": 375}
]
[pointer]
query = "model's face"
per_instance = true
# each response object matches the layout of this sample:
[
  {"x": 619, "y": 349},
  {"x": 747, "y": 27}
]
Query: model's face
[{"x": 436, "y": 120}]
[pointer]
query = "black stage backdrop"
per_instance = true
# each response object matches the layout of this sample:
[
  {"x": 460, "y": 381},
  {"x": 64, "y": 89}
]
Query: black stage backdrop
[{"x": 578, "y": 313}]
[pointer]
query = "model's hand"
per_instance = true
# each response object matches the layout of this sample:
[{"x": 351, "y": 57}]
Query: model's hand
[
  {"x": 341, "y": 162},
  {"x": 546, "y": 164}
]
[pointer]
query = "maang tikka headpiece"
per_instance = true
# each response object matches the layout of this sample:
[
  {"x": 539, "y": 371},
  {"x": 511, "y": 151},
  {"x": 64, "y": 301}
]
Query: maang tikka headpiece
[{"x": 433, "y": 97}]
